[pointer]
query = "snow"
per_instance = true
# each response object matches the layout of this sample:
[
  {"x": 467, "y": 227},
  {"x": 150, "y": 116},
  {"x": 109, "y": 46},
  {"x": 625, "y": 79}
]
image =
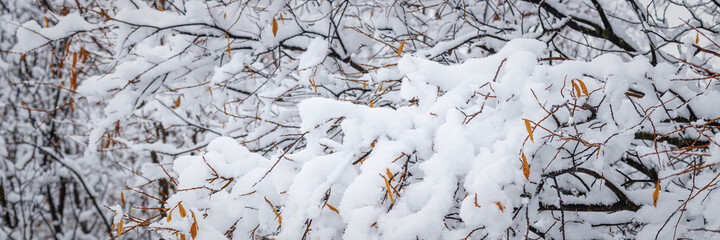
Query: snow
[
  {"x": 31, "y": 35},
  {"x": 468, "y": 167}
]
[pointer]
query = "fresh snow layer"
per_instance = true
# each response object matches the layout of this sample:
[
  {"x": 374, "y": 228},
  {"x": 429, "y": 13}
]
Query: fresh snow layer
[{"x": 451, "y": 154}]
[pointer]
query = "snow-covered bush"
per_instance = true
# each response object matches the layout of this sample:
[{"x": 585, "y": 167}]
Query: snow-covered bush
[
  {"x": 457, "y": 160},
  {"x": 353, "y": 119}
]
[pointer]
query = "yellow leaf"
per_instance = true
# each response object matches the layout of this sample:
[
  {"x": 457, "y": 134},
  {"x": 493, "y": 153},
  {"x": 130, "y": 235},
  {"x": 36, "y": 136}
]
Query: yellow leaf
[
  {"x": 120, "y": 227},
  {"x": 390, "y": 175},
  {"x": 529, "y": 130},
  {"x": 46, "y": 22},
  {"x": 364, "y": 85},
  {"x": 400, "y": 49},
  {"x": 169, "y": 218},
  {"x": 697, "y": 38},
  {"x": 282, "y": 19},
  {"x": 656, "y": 193},
  {"x": 274, "y": 27},
  {"x": 332, "y": 208},
  {"x": 583, "y": 87},
  {"x": 500, "y": 206},
  {"x": 182, "y": 210},
  {"x": 372, "y": 104},
  {"x": 525, "y": 167}
]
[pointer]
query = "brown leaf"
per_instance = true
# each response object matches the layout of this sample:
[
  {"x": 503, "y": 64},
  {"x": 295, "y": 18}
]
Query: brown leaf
[
  {"x": 122, "y": 198},
  {"x": 73, "y": 80},
  {"x": 529, "y": 130},
  {"x": 75, "y": 58},
  {"x": 169, "y": 218},
  {"x": 525, "y": 167},
  {"x": 274, "y": 27}
]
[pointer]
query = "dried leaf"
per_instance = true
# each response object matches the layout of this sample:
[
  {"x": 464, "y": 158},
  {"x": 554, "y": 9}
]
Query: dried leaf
[
  {"x": 73, "y": 80},
  {"x": 577, "y": 89},
  {"x": 182, "y": 237},
  {"x": 525, "y": 167},
  {"x": 372, "y": 104},
  {"x": 46, "y": 22},
  {"x": 389, "y": 174},
  {"x": 122, "y": 196},
  {"x": 656, "y": 193},
  {"x": 500, "y": 206},
  {"x": 697, "y": 38},
  {"x": 120, "y": 227},
  {"x": 193, "y": 230},
  {"x": 274, "y": 27},
  {"x": 389, "y": 190},
  {"x": 281, "y": 18},
  {"x": 182, "y": 210},
  {"x": 584, "y": 88},
  {"x": 169, "y": 218},
  {"x": 529, "y": 130},
  {"x": 400, "y": 49},
  {"x": 177, "y": 103},
  {"x": 75, "y": 58},
  {"x": 332, "y": 208}
]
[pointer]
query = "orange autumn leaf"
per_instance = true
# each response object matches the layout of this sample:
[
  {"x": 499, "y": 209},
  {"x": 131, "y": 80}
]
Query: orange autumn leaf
[
  {"x": 122, "y": 198},
  {"x": 177, "y": 103},
  {"x": 182, "y": 210},
  {"x": 577, "y": 89},
  {"x": 193, "y": 230},
  {"x": 584, "y": 88},
  {"x": 529, "y": 130},
  {"x": 400, "y": 49},
  {"x": 332, "y": 208},
  {"x": 182, "y": 237},
  {"x": 656, "y": 193},
  {"x": 169, "y": 218},
  {"x": 500, "y": 206},
  {"x": 274, "y": 27},
  {"x": 525, "y": 167},
  {"x": 389, "y": 190},
  {"x": 120, "y": 227}
]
